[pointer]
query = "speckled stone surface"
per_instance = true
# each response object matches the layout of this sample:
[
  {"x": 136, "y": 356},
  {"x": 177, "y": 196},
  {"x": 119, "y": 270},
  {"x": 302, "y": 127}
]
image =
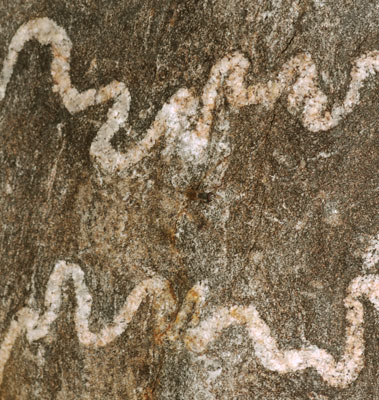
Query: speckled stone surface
[{"x": 189, "y": 200}]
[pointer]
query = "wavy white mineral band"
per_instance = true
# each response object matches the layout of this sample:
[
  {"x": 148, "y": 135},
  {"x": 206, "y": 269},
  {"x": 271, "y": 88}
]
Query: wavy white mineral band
[
  {"x": 37, "y": 326},
  {"x": 298, "y": 77},
  {"x": 339, "y": 374},
  {"x": 197, "y": 338}
]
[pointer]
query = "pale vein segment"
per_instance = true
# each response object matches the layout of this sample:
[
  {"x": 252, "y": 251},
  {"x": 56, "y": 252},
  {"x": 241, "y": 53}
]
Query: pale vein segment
[
  {"x": 335, "y": 373},
  {"x": 198, "y": 335},
  {"x": 37, "y": 326},
  {"x": 186, "y": 116},
  {"x": 47, "y": 32}
]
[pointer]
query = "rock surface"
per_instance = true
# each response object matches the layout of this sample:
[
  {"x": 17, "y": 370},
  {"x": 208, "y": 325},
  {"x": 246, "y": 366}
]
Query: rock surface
[{"x": 189, "y": 200}]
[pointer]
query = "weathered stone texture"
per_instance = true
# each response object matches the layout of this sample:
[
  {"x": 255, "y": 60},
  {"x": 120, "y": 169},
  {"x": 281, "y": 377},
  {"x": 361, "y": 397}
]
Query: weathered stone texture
[{"x": 273, "y": 207}]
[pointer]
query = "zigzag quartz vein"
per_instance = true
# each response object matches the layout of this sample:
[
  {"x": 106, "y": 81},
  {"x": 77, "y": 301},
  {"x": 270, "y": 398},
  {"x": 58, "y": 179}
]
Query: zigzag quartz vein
[
  {"x": 298, "y": 77},
  {"x": 198, "y": 336}
]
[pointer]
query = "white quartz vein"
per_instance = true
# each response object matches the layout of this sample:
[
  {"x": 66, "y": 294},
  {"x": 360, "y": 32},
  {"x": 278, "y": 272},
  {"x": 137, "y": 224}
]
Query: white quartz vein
[
  {"x": 198, "y": 335},
  {"x": 187, "y": 117}
]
